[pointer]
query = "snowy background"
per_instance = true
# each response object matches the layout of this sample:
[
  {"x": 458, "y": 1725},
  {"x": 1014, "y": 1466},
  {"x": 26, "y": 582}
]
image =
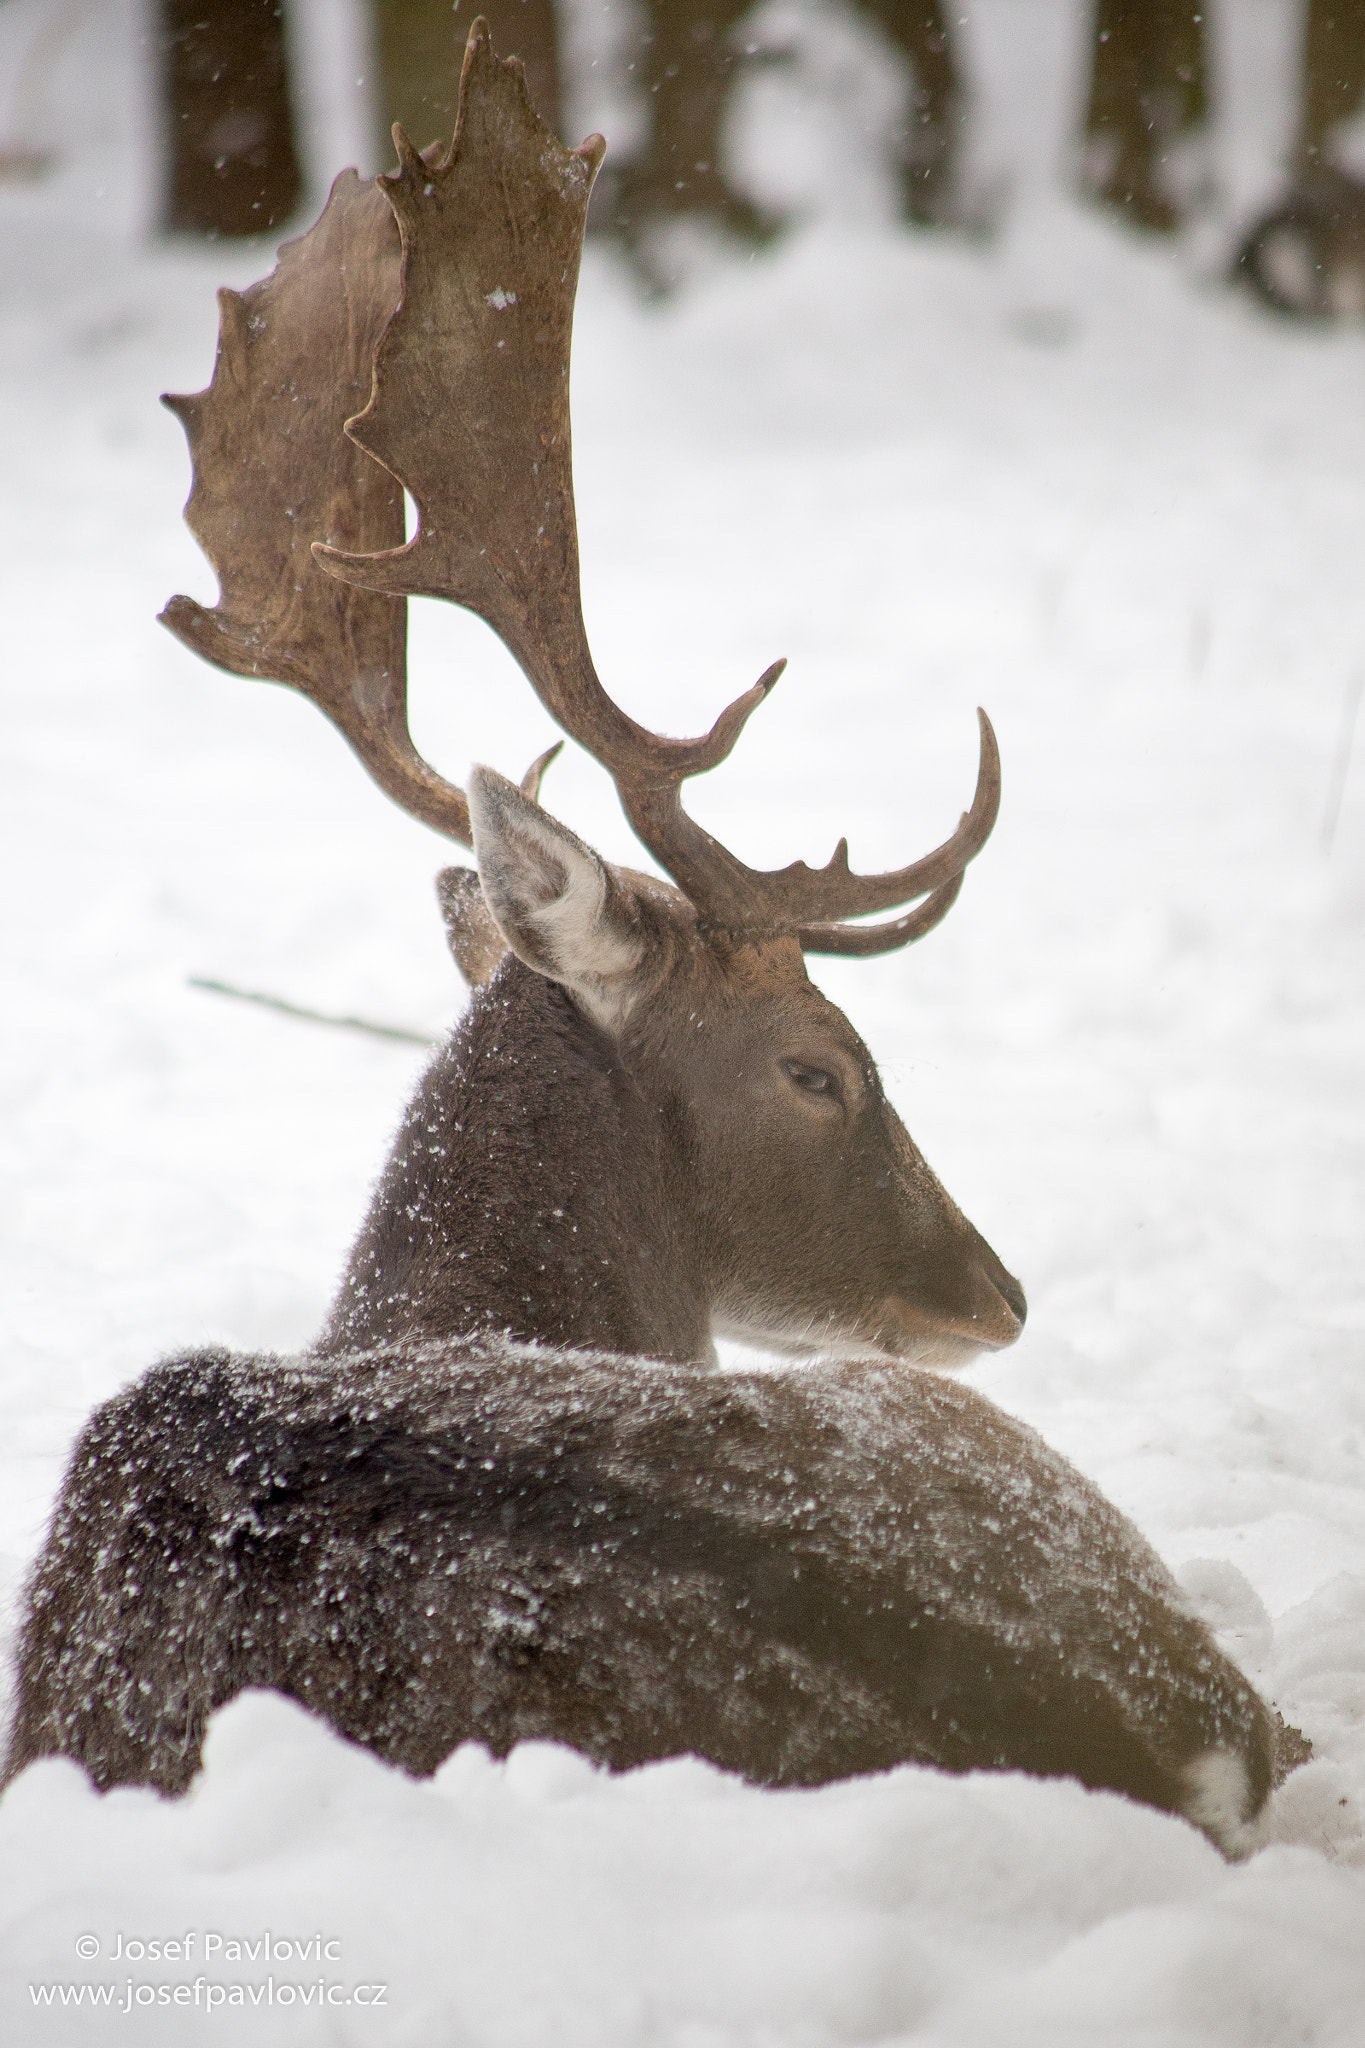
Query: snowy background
[{"x": 1066, "y": 475}]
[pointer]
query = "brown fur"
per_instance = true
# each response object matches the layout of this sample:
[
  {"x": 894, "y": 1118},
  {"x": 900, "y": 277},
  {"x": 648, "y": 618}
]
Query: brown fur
[
  {"x": 801, "y": 1575},
  {"x": 637, "y": 1190}
]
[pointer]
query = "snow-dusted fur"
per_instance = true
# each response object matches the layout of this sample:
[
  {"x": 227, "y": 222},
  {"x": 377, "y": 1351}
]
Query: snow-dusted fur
[{"x": 802, "y": 1575}]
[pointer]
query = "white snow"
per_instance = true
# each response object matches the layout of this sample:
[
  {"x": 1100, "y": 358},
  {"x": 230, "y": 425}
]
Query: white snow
[{"x": 1066, "y": 476}]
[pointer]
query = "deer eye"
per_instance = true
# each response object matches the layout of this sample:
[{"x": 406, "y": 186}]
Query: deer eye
[{"x": 814, "y": 1080}]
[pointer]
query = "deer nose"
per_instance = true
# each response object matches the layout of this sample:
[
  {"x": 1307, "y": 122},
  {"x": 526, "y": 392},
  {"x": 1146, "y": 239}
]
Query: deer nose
[
  {"x": 1000, "y": 1307},
  {"x": 1008, "y": 1288}
]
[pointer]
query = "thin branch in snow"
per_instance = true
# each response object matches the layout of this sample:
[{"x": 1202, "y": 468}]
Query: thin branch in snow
[{"x": 251, "y": 995}]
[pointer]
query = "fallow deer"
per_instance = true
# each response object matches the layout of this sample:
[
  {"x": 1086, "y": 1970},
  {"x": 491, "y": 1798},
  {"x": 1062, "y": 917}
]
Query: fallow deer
[{"x": 507, "y": 1494}]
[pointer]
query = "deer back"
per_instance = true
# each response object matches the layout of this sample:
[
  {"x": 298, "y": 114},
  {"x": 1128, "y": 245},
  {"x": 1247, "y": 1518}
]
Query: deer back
[{"x": 800, "y": 1575}]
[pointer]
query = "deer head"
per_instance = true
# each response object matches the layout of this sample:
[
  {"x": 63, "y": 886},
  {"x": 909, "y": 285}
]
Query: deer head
[{"x": 444, "y": 296}]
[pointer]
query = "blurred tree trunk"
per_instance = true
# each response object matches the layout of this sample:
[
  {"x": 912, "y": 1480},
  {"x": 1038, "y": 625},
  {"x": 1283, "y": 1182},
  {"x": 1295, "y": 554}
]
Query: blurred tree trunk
[
  {"x": 420, "y": 45},
  {"x": 1306, "y": 254},
  {"x": 1333, "y": 76},
  {"x": 232, "y": 167},
  {"x": 1148, "y": 87},
  {"x": 686, "y": 61},
  {"x": 683, "y": 62},
  {"x": 928, "y": 148}
]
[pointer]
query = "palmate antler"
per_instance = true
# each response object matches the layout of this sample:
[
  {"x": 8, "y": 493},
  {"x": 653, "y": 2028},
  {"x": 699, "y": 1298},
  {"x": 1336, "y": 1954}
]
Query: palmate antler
[
  {"x": 273, "y": 470},
  {"x": 469, "y": 410}
]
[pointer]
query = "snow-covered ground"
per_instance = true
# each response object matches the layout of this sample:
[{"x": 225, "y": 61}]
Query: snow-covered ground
[{"x": 1066, "y": 476}]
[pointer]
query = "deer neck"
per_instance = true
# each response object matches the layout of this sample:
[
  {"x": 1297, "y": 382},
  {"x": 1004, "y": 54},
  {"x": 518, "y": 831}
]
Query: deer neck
[{"x": 531, "y": 1189}]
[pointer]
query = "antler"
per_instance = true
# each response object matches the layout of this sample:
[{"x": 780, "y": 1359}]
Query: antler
[
  {"x": 470, "y": 409},
  {"x": 273, "y": 470},
  {"x": 465, "y": 362}
]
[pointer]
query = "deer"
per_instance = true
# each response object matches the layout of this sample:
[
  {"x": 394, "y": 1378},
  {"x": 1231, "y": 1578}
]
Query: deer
[{"x": 509, "y": 1493}]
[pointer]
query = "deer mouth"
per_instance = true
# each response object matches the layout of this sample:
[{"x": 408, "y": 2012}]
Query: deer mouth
[
  {"x": 991, "y": 1319},
  {"x": 940, "y": 1338}
]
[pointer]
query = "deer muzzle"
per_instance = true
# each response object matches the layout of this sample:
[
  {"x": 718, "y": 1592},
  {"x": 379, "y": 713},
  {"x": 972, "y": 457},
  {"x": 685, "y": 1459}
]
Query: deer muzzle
[{"x": 974, "y": 1305}]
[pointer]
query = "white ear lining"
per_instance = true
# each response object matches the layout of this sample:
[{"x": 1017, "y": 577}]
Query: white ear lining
[{"x": 552, "y": 898}]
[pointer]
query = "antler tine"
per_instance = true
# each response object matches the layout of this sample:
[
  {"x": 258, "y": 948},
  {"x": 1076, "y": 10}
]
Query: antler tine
[
  {"x": 273, "y": 468},
  {"x": 862, "y": 941},
  {"x": 470, "y": 410},
  {"x": 805, "y": 900},
  {"x": 535, "y": 774}
]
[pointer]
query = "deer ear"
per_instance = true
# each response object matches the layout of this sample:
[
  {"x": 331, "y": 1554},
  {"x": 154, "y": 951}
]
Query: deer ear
[
  {"x": 555, "y": 902},
  {"x": 476, "y": 944}
]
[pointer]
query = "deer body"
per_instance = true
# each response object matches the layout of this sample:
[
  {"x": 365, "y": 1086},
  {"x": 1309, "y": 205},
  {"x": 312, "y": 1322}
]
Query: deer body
[
  {"x": 506, "y": 1494},
  {"x": 431, "y": 1533},
  {"x": 801, "y": 1575}
]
